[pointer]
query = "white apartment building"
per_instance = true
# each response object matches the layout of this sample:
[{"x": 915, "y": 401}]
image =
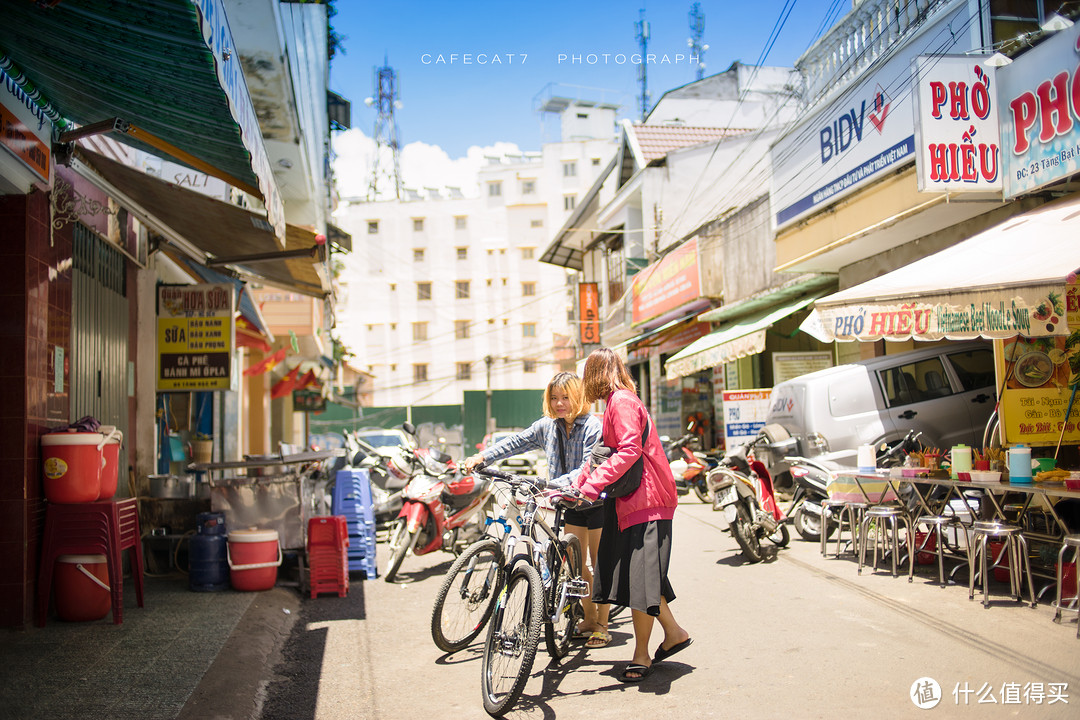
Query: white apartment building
[{"x": 445, "y": 293}]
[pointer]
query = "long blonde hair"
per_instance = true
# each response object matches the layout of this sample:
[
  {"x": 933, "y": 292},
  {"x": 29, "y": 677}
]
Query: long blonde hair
[{"x": 605, "y": 373}]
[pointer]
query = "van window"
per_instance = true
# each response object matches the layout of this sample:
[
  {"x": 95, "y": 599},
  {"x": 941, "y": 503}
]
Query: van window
[
  {"x": 975, "y": 368},
  {"x": 915, "y": 382}
]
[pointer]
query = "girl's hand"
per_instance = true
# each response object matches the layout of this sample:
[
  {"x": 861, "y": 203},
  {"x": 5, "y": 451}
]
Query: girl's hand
[{"x": 474, "y": 460}]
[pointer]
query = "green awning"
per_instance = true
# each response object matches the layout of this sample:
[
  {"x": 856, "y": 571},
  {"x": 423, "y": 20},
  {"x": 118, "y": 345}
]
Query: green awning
[
  {"x": 732, "y": 341},
  {"x": 167, "y": 67}
]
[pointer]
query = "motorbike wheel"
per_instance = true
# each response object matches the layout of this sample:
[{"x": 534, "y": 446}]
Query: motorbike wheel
[
  {"x": 781, "y": 537},
  {"x": 558, "y": 634},
  {"x": 512, "y": 640},
  {"x": 808, "y": 525},
  {"x": 401, "y": 541},
  {"x": 743, "y": 530},
  {"x": 702, "y": 493},
  {"x": 467, "y": 596}
]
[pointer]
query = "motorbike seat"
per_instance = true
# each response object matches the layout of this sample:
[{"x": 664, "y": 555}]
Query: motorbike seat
[{"x": 461, "y": 492}]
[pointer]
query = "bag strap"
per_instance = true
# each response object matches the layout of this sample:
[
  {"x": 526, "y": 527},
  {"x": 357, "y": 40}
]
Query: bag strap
[{"x": 562, "y": 448}]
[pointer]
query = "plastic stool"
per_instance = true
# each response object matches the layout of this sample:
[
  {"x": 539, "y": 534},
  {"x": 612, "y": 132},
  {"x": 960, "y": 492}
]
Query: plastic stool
[
  {"x": 886, "y": 537},
  {"x": 844, "y": 512},
  {"x": 935, "y": 523},
  {"x": 106, "y": 527},
  {"x": 1070, "y": 542},
  {"x": 1015, "y": 546}
]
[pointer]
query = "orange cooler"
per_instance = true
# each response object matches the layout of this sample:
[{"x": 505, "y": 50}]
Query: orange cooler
[
  {"x": 254, "y": 556},
  {"x": 72, "y": 465}
]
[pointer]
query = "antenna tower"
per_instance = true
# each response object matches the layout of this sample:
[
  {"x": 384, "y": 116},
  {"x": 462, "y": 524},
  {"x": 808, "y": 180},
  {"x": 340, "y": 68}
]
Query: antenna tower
[
  {"x": 385, "y": 101},
  {"x": 642, "y": 27},
  {"x": 697, "y": 34}
]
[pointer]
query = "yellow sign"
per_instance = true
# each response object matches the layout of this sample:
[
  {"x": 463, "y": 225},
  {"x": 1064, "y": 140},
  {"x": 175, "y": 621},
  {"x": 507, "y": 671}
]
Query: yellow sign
[{"x": 195, "y": 337}]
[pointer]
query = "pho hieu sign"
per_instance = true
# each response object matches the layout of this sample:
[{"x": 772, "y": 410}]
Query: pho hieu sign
[
  {"x": 956, "y": 126},
  {"x": 1039, "y": 107},
  {"x": 195, "y": 337}
]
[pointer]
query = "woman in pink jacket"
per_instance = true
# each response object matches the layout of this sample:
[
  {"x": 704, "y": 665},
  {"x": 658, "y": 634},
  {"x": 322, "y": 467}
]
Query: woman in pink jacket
[{"x": 636, "y": 544}]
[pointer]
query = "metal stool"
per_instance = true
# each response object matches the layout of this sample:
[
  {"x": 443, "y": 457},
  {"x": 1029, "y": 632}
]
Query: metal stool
[
  {"x": 1070, "y": 542},
  {"x": 935, "y": 523},
  {"x": 888, "y": 537},
  {"x": 843, "y": 511},
  {"x": 1016, "y": 550}
]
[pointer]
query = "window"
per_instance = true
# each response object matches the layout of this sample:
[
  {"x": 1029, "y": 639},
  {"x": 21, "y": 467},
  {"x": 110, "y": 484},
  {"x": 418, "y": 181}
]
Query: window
[
  {"x": 461, "y": 329},
  {"x": 419, "y": 331},
  {"x": 393, "y": 367},
  {"x": 490, "y": 251},
  {"x": 915, "y": 382},
  {"x": 372, "y": 227},
  {"x": 370, "y": 328},
  {"x": 569, "y": 169},
  {"x": 527, "y": 253},
  {"x": 975, "y": 368},
  {"x": 528, "y": 187},
  {"x": 393, "y": 326},
  {"x": 536, "y": 223},
  {"x": 504, "y": 282},
  {"x": 464, "y": 371},
  {"x": 569, "y": 201},
  {"x": 596, "y": 161},
  {"x": 418, "y": 224},
  {"x": 423, "y": 291},
  {"x": 459, "y": 222},
  {"x": 489, "y": 282},
  {"x": 495, "y": 189},
  {"x": 462, "y": 253},
  {"x": 393, "y": 287},
  {"x": 419, "y": 372},
  {"x": 528, "y": 289},
  {"x": 418, "y": 254},
  {"x": 461, "y": 289},
  {"x": 528, "y": 329},
  {"x": 528, "y": 366},
  {"x": 1011, "y": 18},
  {"x": 616, "y": 271}
]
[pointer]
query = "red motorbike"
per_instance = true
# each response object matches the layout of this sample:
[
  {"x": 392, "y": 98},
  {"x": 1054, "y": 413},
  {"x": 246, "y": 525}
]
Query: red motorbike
[
  {"x": 743, "y": 489},
  {"x": 441, "y": 509}
]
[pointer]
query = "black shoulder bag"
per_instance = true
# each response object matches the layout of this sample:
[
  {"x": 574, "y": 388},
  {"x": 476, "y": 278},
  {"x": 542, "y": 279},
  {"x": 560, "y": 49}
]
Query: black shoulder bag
[{"x": 631, "y": 479}]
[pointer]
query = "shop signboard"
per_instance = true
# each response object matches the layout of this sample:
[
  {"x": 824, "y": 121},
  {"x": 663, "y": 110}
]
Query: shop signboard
[
  {"x": 667, "y": 284},
  {"x": 589, "y": 312},
  {"x": 308, "y": 401},
  {"x": 744, "y": 415},
  {"x": 788, "y": 365},
  {"x": 1039, "y": 104},
  {"x": 956, "y": 126},
  {"x": 195, "y": 337},
  {"x": 25, "y": 130},
  {"x": 863, "y": 133},
  {"x": 1038, "y": 376}
]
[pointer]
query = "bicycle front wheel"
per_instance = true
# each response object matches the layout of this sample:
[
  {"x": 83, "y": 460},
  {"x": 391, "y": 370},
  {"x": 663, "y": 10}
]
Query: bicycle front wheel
[
  {"x": 467, "y": 596},
  {"x": 512, "y": 639},
  {"x": 562, "y": 608}
]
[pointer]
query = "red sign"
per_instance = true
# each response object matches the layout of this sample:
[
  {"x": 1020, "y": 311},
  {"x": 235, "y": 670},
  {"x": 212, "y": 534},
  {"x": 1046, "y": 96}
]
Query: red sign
[
  {"x": 19, "y": 139},
  {"x": 589, "y": 311},
  {"x": 667, "y": 284}
]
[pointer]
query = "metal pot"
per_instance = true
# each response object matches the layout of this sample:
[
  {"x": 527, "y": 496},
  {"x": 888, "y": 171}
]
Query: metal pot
[{"x": 176, "y": 487}]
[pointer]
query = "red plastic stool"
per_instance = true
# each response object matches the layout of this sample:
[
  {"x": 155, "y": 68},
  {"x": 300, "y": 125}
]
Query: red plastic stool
[
  {"x": 106, "y": 527},
  {"x": 328, "y": 562}
]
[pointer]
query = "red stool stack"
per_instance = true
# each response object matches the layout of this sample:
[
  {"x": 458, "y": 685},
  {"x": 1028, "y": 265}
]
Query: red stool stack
[
  {"x": 328, "y": 561},
  {"x": 105, "y": 527}
]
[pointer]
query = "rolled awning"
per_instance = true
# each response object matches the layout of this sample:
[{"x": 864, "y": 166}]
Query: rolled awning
[
  {"x": 1006, "y": 281},
  {"x": 732, "y": 341}
]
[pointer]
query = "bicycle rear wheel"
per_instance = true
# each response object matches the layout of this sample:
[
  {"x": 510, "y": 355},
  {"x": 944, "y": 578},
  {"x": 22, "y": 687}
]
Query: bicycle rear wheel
[
  {"x": 562, "y": 610},
  {"x": 467, "y": 596},
  {"x": 512, "y": 639}
]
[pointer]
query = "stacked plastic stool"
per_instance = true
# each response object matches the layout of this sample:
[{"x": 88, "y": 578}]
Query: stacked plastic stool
[
  {"x": 328, "y": 560},
  {"x": 352, "y": 500}
]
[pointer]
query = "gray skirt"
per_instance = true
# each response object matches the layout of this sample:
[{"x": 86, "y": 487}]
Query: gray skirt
[{"x": 632, "y": 565}]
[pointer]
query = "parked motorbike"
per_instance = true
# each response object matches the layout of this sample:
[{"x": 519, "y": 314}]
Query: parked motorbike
[
  {"x": 441, "y": 509},
  {"x": 743, "y": 489},
  {"x": 688, "y": 466}
]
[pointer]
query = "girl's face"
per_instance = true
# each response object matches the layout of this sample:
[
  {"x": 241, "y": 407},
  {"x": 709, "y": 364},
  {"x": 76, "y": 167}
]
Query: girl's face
[{"x": 560, "y": 403}]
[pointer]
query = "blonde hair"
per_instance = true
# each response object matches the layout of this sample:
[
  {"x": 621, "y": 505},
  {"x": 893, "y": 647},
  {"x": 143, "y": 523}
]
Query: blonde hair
[
  {"x": 605, "y": 373},
  {"x": 571, "y": 383}
]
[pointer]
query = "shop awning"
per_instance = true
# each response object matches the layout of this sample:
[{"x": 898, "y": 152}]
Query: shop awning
[
  {"x": 1005, "y": 281},
  {"x": 212, "y": 228},
  {"x": 732, "y": 341},
  {"x": 166, "y": 67}
]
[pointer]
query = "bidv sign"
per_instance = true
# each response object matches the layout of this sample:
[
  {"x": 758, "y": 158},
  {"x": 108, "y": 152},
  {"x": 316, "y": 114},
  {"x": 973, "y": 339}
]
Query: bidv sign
[{"x": 847, "y": 128}]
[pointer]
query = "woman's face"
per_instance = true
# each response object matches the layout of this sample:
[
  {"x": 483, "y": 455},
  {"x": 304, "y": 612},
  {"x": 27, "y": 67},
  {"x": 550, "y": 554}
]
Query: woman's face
[{"x": 560, "y": 403}]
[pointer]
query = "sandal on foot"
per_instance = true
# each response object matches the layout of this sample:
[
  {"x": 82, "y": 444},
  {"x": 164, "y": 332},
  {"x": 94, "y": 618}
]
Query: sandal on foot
[
  {"x": 662, "y": 654},
  {"x": 582, "y": 634},
  {"x": 640, "y": 673},
  {"x": 598, "y": 639}
]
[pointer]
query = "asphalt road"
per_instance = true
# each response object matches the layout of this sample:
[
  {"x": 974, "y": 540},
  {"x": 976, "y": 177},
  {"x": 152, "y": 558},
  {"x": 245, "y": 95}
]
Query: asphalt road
[{"x": 797, "y": 636}]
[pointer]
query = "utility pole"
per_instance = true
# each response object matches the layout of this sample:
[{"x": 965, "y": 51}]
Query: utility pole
[
  {"x": 488, "y": 424},
  {"x": 697, "y": 36},
  {"x": 385, "y": 130},
  {"x": 642, "y": 27}
]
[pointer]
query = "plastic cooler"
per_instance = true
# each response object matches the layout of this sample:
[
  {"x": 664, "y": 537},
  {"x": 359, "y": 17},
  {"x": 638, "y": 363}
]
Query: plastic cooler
[
  {"x": 110, "y": 467},
  {"x": 81, "y": 583},
  {"x": 73, "y": 463},
  {"x": 254, "y": 556}
]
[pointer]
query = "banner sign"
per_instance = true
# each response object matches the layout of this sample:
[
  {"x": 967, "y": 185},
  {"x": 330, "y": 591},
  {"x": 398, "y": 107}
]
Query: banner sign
[
  {"x": 744, "y": 415},
  {"x": 308, "y": 401},
  {"x": 956, "y": 126},
  {"x": 25, "y": 130},
  {"x": 667, "y": 284},
  {"x": 1038, "y": 105},
  {"x": 589, "y": 312},
  {"x": 1039, "y": 375},
  {"x": 195, "y": 337}
]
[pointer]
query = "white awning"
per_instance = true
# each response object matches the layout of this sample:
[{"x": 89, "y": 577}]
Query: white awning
[{"x": 1005, "y": 281}]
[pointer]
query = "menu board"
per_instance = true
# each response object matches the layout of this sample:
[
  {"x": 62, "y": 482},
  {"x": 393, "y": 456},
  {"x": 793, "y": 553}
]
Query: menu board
[
  {"x": 744, "y": 415},
  {"x": 195, "y": 337}
]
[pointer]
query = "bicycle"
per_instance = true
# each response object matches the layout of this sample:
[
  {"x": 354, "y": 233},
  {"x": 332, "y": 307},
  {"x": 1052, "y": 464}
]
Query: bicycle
[{"x": 542, "y": 586}]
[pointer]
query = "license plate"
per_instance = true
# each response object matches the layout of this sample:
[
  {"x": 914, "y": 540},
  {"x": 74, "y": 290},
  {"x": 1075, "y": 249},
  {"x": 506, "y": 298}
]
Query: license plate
[{"x": 726, "y": 496}]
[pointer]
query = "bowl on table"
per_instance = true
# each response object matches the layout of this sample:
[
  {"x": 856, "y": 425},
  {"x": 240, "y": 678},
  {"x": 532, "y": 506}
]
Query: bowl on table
[{"x": 985, "y": 476}]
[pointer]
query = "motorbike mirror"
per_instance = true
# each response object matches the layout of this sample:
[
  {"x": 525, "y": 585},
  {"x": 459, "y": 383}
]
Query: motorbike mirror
[{"x": 409, "y": 428}]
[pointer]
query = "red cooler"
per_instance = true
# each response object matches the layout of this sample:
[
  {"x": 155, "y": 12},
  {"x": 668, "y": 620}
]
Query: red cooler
[
  {"x": 254, "y": 556},
  {"x": 82, "y": 590},
  {"x": 110, "y": 470},
  {"x": 72, "y": 463}
]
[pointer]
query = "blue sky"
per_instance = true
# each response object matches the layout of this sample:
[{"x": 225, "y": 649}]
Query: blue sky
[{"x": 455, "y": 104}]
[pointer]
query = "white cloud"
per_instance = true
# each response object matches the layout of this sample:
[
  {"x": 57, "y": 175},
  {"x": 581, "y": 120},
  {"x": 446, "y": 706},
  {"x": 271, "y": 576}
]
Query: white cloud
[{"x": 422, "y": 165}]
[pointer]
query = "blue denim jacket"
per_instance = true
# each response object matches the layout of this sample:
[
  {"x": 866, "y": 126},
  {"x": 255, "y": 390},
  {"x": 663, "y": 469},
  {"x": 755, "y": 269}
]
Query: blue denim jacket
[{"x": 544, "y": 435}]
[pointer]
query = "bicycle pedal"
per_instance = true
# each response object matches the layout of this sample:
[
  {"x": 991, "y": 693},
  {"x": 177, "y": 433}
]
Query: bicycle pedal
[{"x": 577, "y": 588}]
